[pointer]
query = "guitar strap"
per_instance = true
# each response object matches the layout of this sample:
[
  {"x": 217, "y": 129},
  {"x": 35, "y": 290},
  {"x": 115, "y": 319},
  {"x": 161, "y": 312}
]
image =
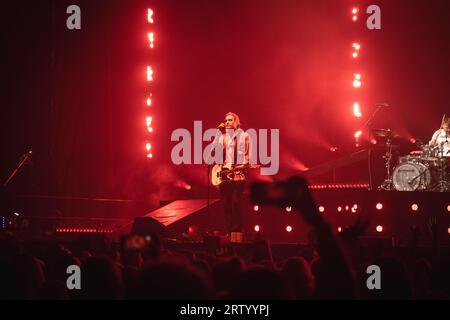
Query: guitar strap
[
  {"x": 235, "y": 151},
  {"x": 224, "y": 150}
]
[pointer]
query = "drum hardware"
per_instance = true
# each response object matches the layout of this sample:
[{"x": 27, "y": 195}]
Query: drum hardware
[
  {"x": 442, "y": 185},
  {"x": 389, "y": 135},
  {"x": 368, "y": 124},
  {"x": 386, "y": 133},
  {"x": 412, "y": 177},
  {"x": 410, "y": 181},
  {"x": 425, "y": 169},
  {"x": 409, "y": 159},
  {"x": 425, "y": 172},
  {"x": 416, "y": 153}
]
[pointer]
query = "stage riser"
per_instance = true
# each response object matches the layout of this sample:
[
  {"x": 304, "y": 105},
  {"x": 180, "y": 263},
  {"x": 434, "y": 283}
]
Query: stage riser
[{"x": 396, "y": 217}]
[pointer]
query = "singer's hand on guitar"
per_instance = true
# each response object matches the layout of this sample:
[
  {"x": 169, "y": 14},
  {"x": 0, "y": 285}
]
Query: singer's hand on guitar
[{"x": 221, "y": 173}]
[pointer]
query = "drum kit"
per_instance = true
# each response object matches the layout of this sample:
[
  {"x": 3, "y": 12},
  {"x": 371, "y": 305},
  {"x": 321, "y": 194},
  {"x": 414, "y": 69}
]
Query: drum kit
[{"x": 421, "y": 170}]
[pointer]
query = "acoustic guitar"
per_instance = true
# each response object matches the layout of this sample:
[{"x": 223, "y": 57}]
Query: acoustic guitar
[{"x": 222, "y": 173}]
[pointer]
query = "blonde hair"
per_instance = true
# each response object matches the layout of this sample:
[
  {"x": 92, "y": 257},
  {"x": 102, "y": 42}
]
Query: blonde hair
[{"x": 236, "y": 118}]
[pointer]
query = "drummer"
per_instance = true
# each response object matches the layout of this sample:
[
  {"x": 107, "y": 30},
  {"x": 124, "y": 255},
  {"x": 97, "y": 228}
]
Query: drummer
[{"x": 442, "y": 137}]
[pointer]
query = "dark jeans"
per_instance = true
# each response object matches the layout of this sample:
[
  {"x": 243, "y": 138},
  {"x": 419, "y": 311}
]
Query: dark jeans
[{"x": 232, "y": 197}]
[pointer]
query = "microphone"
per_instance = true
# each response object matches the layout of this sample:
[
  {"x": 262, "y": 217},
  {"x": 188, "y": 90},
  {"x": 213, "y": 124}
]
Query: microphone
[
  {"x": 26, "y": 157},
  {"x": 27, "y": 154},
  {"x": 443, "y": 119},
  {"x": 221, "y": 125},
  {"x": 382, "y": 104}
]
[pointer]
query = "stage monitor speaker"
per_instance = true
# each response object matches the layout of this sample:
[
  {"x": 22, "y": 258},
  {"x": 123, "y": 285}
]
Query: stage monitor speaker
[
  {"x": 143, "y": 226},
  {"x": 177, "y": 217}
]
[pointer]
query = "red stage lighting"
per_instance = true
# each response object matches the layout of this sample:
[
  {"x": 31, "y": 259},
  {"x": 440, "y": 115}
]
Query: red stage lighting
[
  {"x": 379, "y": 228},
  {"x": 414, "y": 207},
  {"x": 151, "y": 39},
  {"x": 356, "y": 48},
  {"x": 255, "y": 208},
  {"x": 355, "y": 11},
  {"x": 357, "y": 110},
  {"x": 339, "y": 229},
  {"x": 288, "y": 209},
  {"x": 333, "y": 149},
  {"x": 379, "y": 206},
  {"x": 289, "y": 229},
  {"x": 357, "y": 81},
  {"x": 149, "y": 74},
  {"x": 321, "y": 209},
  {"x": 150, "y": 16},
  {"x": 256, "y": 228}
]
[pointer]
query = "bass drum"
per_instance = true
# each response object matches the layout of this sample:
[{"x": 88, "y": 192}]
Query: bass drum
[{"x": 411, "y": 177}]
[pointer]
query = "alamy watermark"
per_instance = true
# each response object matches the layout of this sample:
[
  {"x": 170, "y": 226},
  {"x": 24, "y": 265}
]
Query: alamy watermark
[
  {"x": 73, "y": 281},
  {"x": 73, "y": 22},
  {"x": 373, "y": 22},
  {"x": 373, "y": 282}
]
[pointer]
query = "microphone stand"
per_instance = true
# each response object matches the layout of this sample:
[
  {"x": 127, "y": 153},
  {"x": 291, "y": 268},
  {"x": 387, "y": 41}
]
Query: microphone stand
[
  {"x": 208, "y": 194},
  {"x": 368, "y": 124},
  {"x": 23, "y": 160},
  {"x": 208, "y": 186}
]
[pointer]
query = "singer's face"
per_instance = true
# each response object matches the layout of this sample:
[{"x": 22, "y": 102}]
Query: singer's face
[{"x": 230, "y": 123}]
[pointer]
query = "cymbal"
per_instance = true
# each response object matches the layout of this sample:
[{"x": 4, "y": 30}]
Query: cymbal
[
  {"x": 429, "y": 158},
  {"x": 387, "y": 133}
]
